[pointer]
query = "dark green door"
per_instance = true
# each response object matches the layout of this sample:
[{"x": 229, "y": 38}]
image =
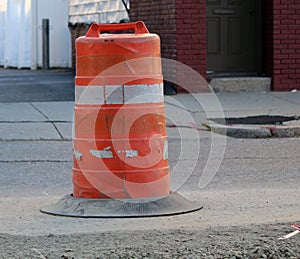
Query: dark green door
[{"x": 233, "y": 38}]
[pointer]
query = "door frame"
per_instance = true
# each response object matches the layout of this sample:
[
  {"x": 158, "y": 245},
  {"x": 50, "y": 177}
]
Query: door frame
[{"x": 259, "y": 42}]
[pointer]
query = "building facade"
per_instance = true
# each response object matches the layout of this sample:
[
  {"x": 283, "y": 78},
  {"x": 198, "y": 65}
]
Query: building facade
[
  {"x": 21, "y": 33},
  {"x": 82, "y": 13},
  {"x": 228, "y": 37}
]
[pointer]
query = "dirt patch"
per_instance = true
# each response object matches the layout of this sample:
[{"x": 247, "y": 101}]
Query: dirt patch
[{"x": 253, "y": 241}]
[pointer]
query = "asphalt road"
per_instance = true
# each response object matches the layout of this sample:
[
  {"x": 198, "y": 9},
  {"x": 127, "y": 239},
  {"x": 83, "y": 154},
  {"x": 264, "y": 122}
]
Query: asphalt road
[
  {"x": 250, "y": 202},
  {"x": 257, "y": 182},
  {"x": 37, "y": 85}
]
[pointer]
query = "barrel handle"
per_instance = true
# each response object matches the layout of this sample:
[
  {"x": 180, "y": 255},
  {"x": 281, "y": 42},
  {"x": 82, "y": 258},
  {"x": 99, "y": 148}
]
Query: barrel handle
[{"x": 96, "y": 29}]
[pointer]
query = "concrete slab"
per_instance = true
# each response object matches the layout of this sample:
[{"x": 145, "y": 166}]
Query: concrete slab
[
  {"x": 236, "y": 84},
  {"x": 19, "y": 112},
  {"x": 56, "y": 111},
  {"x": 187, "y": 133},
  {"x": 241, "y": 131},
  {"x": 47, "y": 151},
  {"x": 194, "y": 102},
  {"x": 19, "y": 179},
  {"x": 253, "y": 101},
  {"x": 28, "y": 131},
  {"x": 184, "y": 110},
  {"x": 65, "y": 129},
  {"x": 289, "y": 97},
  {"x": 236, "y": 102}
]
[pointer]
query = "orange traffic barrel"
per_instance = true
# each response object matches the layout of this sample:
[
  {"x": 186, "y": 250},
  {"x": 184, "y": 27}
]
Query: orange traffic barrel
[
  {"x": 120, "y": 166},
  {"x": 119, "y": 116}
]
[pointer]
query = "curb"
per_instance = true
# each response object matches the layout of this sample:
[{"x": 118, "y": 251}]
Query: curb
[
  {"x": 255, "y": 131},
  {"x": 285, "y": 131}
]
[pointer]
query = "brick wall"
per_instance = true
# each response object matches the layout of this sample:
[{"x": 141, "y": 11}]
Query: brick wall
[
  {"x": 191, "y": 41},
  {"x": 182, "y": 27},
  {"x": 159, "y": 17},
  {"x": 283, "y": 62}
]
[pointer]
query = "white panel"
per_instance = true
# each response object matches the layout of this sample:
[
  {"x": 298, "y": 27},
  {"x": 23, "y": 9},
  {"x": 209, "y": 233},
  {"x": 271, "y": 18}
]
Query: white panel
[
  {"x": 3, "y": 5},
  {"x": 60, "y": 39},
  {"x": 24, "y": 59},
  {"x": 12, "y": 33},
  {"x": 114, "y": 16},
  {"x": 21, "y": 34},
  {"x": 34, "y": 34},
  {"x": 79, "y": 2},
  {"x": 101, "y": 11}
]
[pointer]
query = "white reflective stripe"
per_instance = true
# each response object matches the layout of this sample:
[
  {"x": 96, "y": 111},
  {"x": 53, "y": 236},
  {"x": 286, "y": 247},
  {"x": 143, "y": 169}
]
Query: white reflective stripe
[
  {"x": 114, "y": 94},
  {"x": 119, "y": 94},
  {"x": 105, "y": 153},
  {"x": 143, "y": 93},
  {"x": 89, "y": 95},
  {"x": 129, "y": 153},
  {"x": 166, "y": 152},
  {"x": 77, "y": 154}
]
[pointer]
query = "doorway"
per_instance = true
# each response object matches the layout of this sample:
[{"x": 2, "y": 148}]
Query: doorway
[{"x": 234, "y": 36}]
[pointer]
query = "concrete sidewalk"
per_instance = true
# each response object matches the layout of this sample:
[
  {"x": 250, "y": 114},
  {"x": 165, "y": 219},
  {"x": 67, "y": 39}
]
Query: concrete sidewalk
[
  {"x": 246, "y": 114},
  {"x": 53, "y": 120}
]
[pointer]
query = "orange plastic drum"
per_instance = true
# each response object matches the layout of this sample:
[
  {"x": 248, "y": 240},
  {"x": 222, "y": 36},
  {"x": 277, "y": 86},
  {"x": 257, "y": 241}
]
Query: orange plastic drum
[{"x": 119, "y": 135}]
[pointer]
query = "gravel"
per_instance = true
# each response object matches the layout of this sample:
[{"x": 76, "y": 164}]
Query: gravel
[{"x": 251, "y": 242}]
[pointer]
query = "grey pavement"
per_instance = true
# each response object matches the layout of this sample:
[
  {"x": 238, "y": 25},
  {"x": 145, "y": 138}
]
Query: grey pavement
[
  {"x": 37, "y": 85},
  {"x": 38, "y": 105},
  {"x": 53, "y": 120}
]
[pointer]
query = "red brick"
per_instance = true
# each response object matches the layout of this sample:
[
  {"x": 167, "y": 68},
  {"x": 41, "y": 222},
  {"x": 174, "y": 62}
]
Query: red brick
[
  {"x": 294, "y": 27},
  {"x": 288, "y": 71},
  {"x": 287, "y": 1},
  {"x": 294, "y": 6},
  {"x": 288, "y": 11},
  {"x": 288, "y": 41},
  {"x": 287, "y": 21},
  {"x": 287, "y": 61},
  {"x": 294, "y": 66},
  {"x": 287, "y": 51},
  {"x": 287, "y": 32}
]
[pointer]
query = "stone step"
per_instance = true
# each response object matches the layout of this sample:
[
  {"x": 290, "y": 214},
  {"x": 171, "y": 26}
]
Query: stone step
[{"x": 237, "y": 84}]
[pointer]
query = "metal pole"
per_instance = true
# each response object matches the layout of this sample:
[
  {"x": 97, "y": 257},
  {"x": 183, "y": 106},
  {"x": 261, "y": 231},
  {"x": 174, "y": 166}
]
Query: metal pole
[{"x": 45, "y": 26}]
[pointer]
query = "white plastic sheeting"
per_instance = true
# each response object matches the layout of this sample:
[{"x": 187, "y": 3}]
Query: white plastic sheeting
[
  {"x": 2, "y": 30},
  {"x": 99, "y": 11},
  {"x": 60, "y": 36},
  {"x": 21, "y": 33}
]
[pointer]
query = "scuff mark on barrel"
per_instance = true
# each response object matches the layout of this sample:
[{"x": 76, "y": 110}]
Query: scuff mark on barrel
[{"x": 105, "y": 153}]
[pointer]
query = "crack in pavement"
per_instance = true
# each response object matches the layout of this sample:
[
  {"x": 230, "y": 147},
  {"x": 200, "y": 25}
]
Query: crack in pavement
[{"x": 53, "y": 124}]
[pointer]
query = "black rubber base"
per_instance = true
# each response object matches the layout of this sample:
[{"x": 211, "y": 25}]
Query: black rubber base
[{"x": 69, "y": 206}]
